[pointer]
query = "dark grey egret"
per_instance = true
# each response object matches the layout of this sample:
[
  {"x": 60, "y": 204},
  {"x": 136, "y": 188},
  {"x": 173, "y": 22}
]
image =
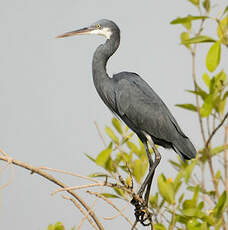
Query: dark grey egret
[{"x": 132, "y": 100}]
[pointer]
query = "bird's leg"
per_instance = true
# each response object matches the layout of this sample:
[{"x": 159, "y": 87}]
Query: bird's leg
[
  {"x": 141, "y": 213},
  {"x": 152, "y": 169},
  {"x": 146, "y": 197}
]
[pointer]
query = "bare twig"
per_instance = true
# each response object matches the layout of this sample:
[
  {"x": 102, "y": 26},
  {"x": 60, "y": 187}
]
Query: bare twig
[
  {"x": 92, "y": 207},
  {"x": 208, "y": 126},
  {"x": 225, "y": 159},
  {"x": 69, "y": 173},
  {"x": 134, "y": 225},
  {"x": 81, "y": 210},
  {"x": 116, "y": 215},
  {"x": 77, "y": 187},
  {"x": 215, "y": 130},
  {"x": 9, "y": 164},
  {"x": 100, "y": 134},
  {"x": 55, "y": 181},
  {"x": 112, "y": 204},
  {"x": 195, "y": 84}
]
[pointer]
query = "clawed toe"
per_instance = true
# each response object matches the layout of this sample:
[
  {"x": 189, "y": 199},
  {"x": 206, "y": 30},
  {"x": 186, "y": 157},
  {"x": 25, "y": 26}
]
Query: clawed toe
[{"x": 142, "y": 214}]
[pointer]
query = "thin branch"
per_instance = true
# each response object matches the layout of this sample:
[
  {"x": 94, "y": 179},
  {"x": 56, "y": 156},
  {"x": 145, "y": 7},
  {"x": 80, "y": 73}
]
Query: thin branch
[
  {"x": 77, "y": 187},
  {"x": 100, "y": 134},
  {"x": 225, "y": 159},
  {"x": 92, "y": 207},
  {"x": 69, "y": 173},
  {"x": 11, "y": 176},
  {"x": 85, "y": 214},
  {"x": 112, "y": 204},
  {"x": 116, "y": 215},
  {"x": 215, "y": 130},
  {"x": 208, "y": 126},
  {"x": 193, "y": 52},
  {"x": 55, "y": 181}
]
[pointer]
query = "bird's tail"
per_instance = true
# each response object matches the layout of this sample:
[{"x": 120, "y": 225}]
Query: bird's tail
[{"x": 184, "y": 147}]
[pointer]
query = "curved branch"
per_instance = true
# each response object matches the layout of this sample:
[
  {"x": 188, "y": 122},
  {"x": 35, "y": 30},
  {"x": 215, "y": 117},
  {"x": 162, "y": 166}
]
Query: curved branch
[
  {"x": 55, "y": 181},
  {"x": 215, "y": 130}
]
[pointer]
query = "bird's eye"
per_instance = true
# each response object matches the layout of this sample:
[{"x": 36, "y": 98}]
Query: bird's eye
[{"x": 98, "y": 26}]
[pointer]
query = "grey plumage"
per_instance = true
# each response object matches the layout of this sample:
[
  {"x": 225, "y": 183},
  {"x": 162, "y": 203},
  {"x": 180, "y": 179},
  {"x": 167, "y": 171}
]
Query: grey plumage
[{"x": 131, "y": 99}]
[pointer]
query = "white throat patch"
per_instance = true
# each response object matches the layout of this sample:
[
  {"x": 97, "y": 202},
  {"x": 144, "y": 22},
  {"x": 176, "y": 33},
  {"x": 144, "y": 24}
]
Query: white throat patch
[{"x": 106, "y": 32}]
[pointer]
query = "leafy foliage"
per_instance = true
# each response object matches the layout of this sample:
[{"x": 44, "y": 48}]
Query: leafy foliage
[
  {"x": 204, "y": 203},
  {"x": 203, "y": 206},
  {"x": 57, "y": 226}
]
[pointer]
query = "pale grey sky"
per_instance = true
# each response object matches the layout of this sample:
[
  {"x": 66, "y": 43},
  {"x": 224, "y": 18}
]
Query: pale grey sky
[{"x": 48, "y": 101}]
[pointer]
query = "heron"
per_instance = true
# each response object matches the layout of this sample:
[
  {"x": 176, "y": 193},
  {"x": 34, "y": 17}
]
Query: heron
[{"x": 133, "y": 101}]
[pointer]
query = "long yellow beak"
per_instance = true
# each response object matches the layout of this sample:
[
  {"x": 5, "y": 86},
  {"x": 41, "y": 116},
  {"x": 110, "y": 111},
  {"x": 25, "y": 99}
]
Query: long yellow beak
[{"x": 85, "y": 30}]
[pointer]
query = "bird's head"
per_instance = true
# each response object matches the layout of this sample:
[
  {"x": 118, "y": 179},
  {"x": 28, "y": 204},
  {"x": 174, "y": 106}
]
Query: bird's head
[{"x": 102, "y": 27}]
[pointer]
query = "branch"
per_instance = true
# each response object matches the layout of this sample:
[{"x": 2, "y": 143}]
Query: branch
[
  {"x": 111, "y": 203},
  {"x": 55, "y": 181},
  {"x": 81, "y": 210},
  {"x": 215, "y": 130}
]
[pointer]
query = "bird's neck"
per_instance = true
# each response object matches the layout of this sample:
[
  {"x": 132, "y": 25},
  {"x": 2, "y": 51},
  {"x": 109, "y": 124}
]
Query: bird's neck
[{"x": 101, "y": 56}]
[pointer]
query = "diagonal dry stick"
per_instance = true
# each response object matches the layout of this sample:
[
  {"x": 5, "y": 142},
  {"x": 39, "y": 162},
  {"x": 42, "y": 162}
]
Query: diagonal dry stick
[
  {"x": 216, "y": 129},
  {"x": 81, "y": 210},
  {"x": 111, "y": 203},
  {"x": 55, "y": 181}
]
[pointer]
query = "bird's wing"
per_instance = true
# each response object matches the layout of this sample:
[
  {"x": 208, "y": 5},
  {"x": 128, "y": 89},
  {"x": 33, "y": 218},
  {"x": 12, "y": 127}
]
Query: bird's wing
[{"x": 143, "y": 107}]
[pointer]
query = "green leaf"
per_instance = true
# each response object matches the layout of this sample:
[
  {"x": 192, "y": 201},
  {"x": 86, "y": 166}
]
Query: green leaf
[
  {"x": 199, "y": 92},
  {"x": 195, "y": 2},
  {"x": 181, "y": 198},
  {"x": 166, "y": 189},
  {"x": 221, "y": 205},
  {"x": 103, "y": 157},
  {"x": 133, "y": 148},
  {"x": 91, "y": 158},
  {"x": 119, "y": 191},
  {"x": 196, "y": 195},
  {"x": 190, "y": 107},
  {"x": 188, "y": 204},
  {"x": 201, "y": 205},
  {"x": 188, "y": 171},
  {"x": 176, "y": 165},
  {"x": 207, "y": 80},
  {"x": 109, "y": 195},
  {"x": 154, "y": 200},
  {"x": 221, "y": 106},
  {"x": 226, "y": 10},
  {"x": 189, "y": 18},
  {"x": 185, "y": 36},
  {"x": 207, "y": 107},
  {"x": 207, "y": 5},
  {"x": 218, "y": 175},
  {"x": 111, "y": 134},
  {"x": 193, "y": 224},
  {"x": 110, "y": 166},
  {"x": 193, "y": 212},
  {"x": 198, "y": 39},
  {"x": 99, "y": 175},
  {"x": 218, "y": 149},
  {"x": 225, "y": 95},
  {"x": 50, "y": 227},
  {"x": 213, "y": 56},
  {"x": 59, "y": 226},
  {"x": 220, "y": 80},
  {"x": 117, "y": 124},
  {"x": 218, "y": 225},
  {"x": 159, "y": 227},
  {"x": 139, "y": 170},
  {"x": 188, "y": 25},
  {"x": 222, "y": 30}
]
